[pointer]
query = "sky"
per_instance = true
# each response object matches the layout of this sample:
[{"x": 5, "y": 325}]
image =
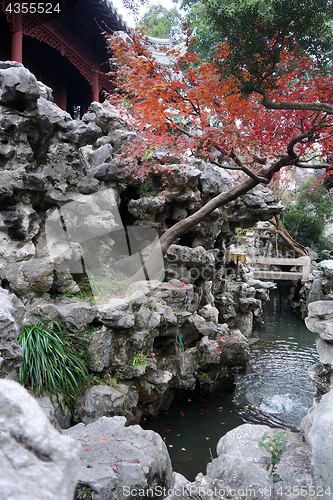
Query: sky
[{"x": 129, "y": 18}]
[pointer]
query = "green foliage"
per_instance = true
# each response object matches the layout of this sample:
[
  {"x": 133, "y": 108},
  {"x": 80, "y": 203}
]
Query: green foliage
[
  {"x": 258, "y": 31},
  {"x": 137, "y": 327},
  {"x": 108, "y": 284},
  {"x": 275, "y": 448},
  {"x": 148, "y": 190},
  {"x": 308, "y": 214},
  {"x": 140, "y": 359},
  {"x": 83, "y": 493},
  {"x": 52, "y": 359},
  {"x": 160, "y": 22},
  {"x": 207, "y": 37},
  {"x": 85, "y": 292}
]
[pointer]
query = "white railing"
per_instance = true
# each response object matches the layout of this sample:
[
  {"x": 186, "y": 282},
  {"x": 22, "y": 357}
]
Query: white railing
[{"x": 304, "y": 262}]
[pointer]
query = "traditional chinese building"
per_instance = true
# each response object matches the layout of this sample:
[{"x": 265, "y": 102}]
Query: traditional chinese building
[{"x": 67, "y": 53}]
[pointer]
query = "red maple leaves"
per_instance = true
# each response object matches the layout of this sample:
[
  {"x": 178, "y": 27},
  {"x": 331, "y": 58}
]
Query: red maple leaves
[{"x": 188, "y": 109}]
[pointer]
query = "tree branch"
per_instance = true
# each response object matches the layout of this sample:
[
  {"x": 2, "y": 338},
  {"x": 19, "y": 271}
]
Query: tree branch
[
  {"x": 322, "y": 107},
  {"x": 317, "y": 166}
]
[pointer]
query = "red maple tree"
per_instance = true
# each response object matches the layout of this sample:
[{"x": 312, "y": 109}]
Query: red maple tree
[{"x": 190, "y": 109}]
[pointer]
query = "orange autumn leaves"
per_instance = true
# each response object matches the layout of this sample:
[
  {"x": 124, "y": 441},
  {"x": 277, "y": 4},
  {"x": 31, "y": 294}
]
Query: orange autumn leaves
[{"x": 190, "y": 107}]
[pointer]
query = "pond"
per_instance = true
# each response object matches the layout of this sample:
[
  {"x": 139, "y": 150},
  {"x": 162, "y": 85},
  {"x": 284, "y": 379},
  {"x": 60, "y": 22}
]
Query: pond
[{"x": 275, "y": 390}]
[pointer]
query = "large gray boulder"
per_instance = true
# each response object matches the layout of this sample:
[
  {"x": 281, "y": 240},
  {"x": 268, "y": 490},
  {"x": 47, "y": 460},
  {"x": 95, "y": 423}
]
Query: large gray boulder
[
  {"x": 240, "y": 472},
  {"x": 108, "y": 401},
  {"x": 35, "y": 275},
  {"x": 17, "y": 85},
  {"x": 36, "y": 462},
  {"x": 317, "y": 428},
  {"x": 320, "y": 319},
  {"x": 117, "y": 461},
  {"x": 11, "y": 325}
]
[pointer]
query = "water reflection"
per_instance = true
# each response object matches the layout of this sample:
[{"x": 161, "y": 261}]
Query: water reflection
[{"x": 275, "y": 390}]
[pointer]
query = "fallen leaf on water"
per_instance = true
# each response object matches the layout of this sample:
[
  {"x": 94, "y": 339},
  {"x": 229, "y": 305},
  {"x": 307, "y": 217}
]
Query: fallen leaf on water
[
  {"x": 190, "y": 458},
  {"x": 170, "y": 445},
  {"x": 189, "y": 399},
  {"x": 207, "y": 438},
  {"x": 183, "y": 449},
  {"x": 178, "y": 435},
  {"x": 223, "y": 423},
  {"x": 167, "y": 430},
  {"x": 88, "y": 449}
]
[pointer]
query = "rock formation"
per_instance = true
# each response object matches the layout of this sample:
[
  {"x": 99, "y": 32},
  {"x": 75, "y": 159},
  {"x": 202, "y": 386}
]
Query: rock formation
[
  {"x": 36, "y": 462},
  {"x": 66, "y": 195}
]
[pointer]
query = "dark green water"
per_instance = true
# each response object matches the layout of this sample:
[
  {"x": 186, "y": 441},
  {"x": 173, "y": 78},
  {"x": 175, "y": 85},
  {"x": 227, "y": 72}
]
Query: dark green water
[{"x": 275, "y": 390}]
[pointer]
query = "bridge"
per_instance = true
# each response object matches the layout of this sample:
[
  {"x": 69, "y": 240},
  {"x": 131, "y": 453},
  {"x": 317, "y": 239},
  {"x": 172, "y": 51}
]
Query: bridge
[{"x": 303, "y": 262}]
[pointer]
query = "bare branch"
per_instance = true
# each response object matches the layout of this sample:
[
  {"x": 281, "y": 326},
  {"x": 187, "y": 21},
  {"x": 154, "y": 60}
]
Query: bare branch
[
  {"x": 310, "y": 165},
  {"x": 293, "y": 142},
  {"x": 322, "y": 107}
]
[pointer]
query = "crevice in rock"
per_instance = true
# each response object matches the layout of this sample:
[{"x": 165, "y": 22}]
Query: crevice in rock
[{"x": 130, "y": 193}]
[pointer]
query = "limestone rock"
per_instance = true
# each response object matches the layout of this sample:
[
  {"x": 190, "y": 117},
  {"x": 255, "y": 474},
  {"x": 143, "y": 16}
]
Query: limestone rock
[
  {"x": 322, "y": 377},
  {"x": 20, "y": 222},
  {"x": 101, "y": 349},
  {"x": 215, "y": 180},
  {"x": 120, "y": 137},
  {"x": 75, "y": 312},
  {"x": 37, "y": 463},
  {"x": 108, "y": 117},
  {"x": 320, "y": 442},
  {"x": 320, "y": 319},
  {"x": 209, "y": 313},
  {"x": 225, "y": 351},
  {"x": 146, "y": 207},
  {"x": 325, "y": 351},
  {"x": 116, "y": 459},
  {"x": 32, "y": 275},
  {"x": 59, "y": 417},
  {"x": 326, "y": 266},
  {"x": 11, "y": 325},
  {"x": 49, "y": 114},
  {"x": 106, "y": 401},
  {"x": 115, "y": 314},
  {"x": 239, "y": 470},
  {"x": 79, "y": 133},
  {"x": 88, "y": 185},
  {"x": 18, "y": 86},
  {"x": 101, "y": 155}
]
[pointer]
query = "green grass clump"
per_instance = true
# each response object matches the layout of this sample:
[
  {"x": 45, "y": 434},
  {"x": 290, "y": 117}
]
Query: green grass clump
[{"x": 53, "y": 360}]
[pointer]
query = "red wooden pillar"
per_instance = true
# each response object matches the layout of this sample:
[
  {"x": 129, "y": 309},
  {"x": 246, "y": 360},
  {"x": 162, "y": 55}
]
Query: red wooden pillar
[
  {"x": 95, "y": 90},
  {"x": 17, "y": 37},
  {"x": 63, "y": 93}
]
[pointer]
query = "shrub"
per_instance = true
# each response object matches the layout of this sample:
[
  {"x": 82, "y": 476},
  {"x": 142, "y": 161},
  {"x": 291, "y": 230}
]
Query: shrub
[
  {"x": 53, "y": 359},
  {"x": 309, "y": 213}
]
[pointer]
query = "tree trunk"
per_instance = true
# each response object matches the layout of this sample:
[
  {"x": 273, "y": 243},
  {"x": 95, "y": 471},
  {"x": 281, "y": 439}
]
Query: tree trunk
[{"x": 185, "y": 225}]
